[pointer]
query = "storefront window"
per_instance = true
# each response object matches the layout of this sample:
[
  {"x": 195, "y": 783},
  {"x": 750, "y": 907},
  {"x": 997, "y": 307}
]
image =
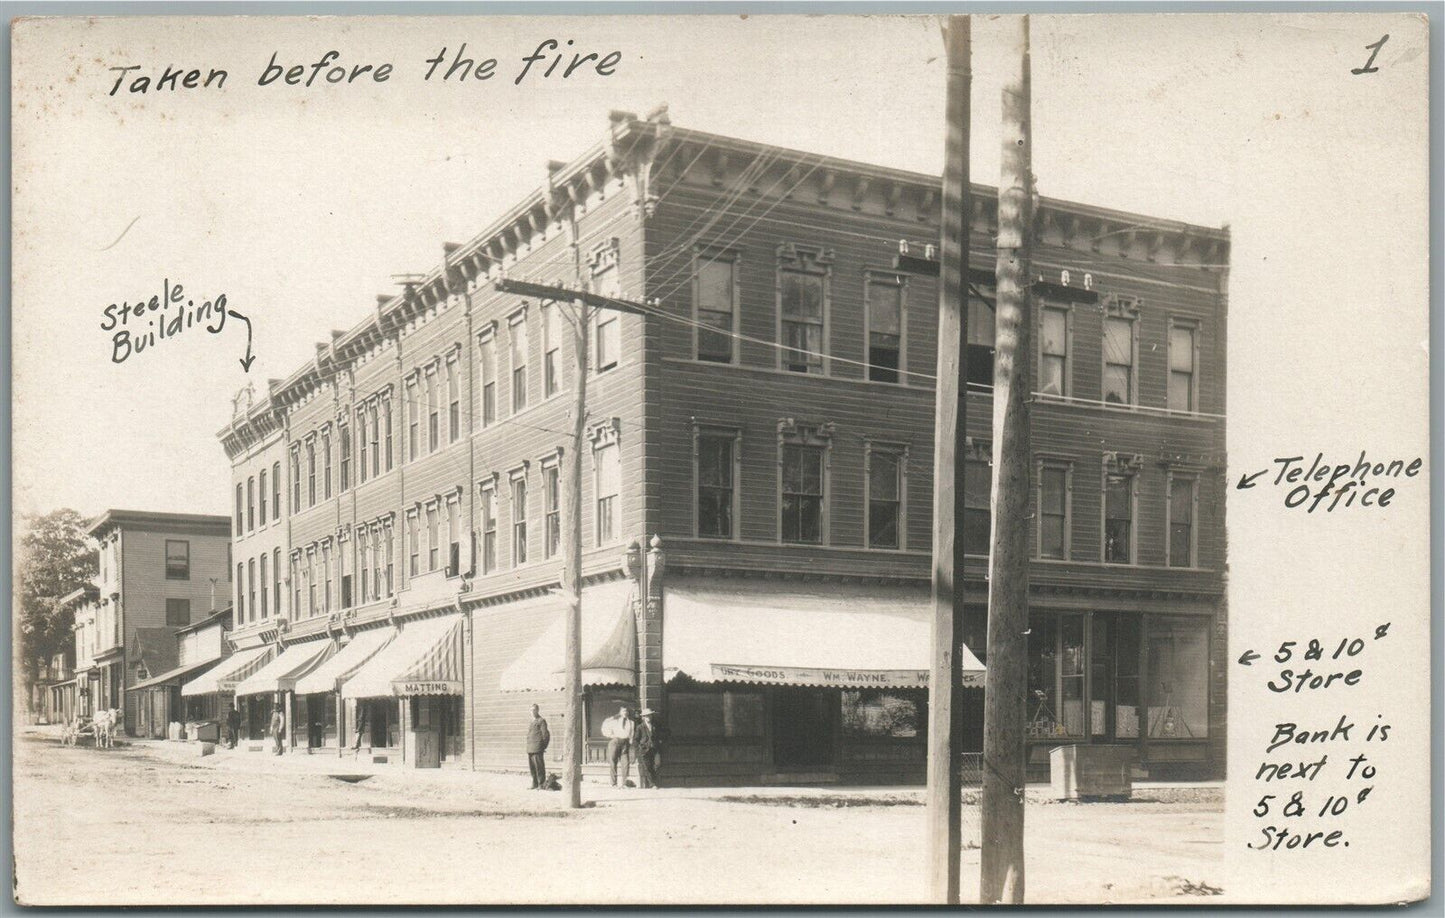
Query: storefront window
[
  {"x": 878, "y": 714},
  {"x": 715, "y": 715},
  {"x": 1178, "y": 672},
  {"x": 1056, "y": 677},
  {"x": 604, "y": 703}
]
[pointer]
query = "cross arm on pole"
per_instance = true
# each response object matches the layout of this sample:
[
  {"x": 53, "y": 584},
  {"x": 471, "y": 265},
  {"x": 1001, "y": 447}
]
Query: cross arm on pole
[{"x": 554, "y": 292}]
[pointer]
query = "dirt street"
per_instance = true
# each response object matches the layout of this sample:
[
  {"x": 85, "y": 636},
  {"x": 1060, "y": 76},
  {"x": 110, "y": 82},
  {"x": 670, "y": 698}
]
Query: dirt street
[{"x": 155, "y": 823}]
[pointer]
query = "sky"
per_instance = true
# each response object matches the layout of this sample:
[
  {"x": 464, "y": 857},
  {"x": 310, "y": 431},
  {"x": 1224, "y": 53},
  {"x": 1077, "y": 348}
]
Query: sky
[{"x": 301, "y": 204}]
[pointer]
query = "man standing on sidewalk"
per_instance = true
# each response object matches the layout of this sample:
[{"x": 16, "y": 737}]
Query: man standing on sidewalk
[
  {"x": 618, "y": 730},
  {"x": 278, "y": 728},
  {"x": 644, "y": 747},
  {"x": 538, "y": 738},
  {"x": 233, "y": 727}
]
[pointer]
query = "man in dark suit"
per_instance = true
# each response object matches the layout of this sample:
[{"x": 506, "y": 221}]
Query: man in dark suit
[{"x": 538, "y": 738}]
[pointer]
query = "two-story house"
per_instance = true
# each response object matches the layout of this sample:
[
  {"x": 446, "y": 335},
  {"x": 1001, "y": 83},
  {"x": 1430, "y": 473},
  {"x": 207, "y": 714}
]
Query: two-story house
[
  {"x": 154, "y": 569},
  {"x": 757, "y": 476}
]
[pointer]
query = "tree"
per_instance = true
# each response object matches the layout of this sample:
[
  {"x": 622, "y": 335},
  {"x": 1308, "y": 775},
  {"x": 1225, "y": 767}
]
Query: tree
[{"x": 56, "y": 557}]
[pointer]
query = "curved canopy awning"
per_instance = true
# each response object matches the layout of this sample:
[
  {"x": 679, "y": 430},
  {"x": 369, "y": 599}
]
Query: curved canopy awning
[
  {"x": 343, "y": 664},
  {"x": 280, "y": 674},
  {"x": 425, "y": 658},
  {"x": 831, "y": 635},
  {"x": 224, "y": 676},
  {"x": 173, "y": 675},
  {"x": 609, "y": 643}
]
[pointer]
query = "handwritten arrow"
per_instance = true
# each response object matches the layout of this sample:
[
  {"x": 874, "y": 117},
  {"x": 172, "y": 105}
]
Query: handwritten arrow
[
  {"x": 1249, "y": 657},
  {"x": 245, "y": 361},
  {"x": 1245, "y": 481}
]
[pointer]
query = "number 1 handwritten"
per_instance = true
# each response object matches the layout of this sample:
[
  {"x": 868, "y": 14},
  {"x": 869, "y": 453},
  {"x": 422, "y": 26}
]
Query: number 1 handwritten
[{"x": 1374, "y": 50}]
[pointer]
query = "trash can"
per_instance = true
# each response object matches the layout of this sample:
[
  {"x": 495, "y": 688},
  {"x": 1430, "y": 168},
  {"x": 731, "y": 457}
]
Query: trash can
[
  {"x": 208, "y": 731},
  {"x": 1090, "y": 772}
]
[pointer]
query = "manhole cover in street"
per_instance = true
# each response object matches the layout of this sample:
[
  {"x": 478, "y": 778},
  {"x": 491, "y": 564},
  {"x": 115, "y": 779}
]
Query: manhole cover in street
[{"x": 350, "y": 779}]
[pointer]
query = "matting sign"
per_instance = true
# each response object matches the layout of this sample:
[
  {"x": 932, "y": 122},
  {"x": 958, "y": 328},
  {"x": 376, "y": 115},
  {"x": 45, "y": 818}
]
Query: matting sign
[
  {"x": 843, "y": 678},
  {"x": 438, "y": 687}
]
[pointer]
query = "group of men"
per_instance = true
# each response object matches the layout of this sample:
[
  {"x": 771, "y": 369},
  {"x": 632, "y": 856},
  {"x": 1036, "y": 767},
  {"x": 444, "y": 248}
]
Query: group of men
[
  {"x": 628, "y": 741},
  {"x": 277, "y": 729}
]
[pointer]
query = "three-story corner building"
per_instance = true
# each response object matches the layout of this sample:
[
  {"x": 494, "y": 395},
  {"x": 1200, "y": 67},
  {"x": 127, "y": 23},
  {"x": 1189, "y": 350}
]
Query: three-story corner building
[
  {"x": 757, "y": 477},
  {"x": 155, "y": 569}
]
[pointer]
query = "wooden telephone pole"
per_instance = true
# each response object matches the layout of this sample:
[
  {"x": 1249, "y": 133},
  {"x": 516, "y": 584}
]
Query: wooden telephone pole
[
  {"x": 1002, "y": 860},
  {"x": 945, "y": 686}
]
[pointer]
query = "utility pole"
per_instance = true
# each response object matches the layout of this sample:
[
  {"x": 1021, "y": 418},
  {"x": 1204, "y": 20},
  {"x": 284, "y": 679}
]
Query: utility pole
[
  {"x": 570, "y": 509},
  {"x": 1002, "y": 861},
  {"x": 945, "y": 685}
]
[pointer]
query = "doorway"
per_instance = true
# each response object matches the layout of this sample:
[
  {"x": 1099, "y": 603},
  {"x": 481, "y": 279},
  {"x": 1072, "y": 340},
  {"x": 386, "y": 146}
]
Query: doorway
[{"x": 805, "y": 727}]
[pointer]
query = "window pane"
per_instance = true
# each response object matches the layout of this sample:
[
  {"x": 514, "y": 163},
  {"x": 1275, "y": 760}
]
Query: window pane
[
  {"x": 1051, "y": 536},
  {"x": 1118, "y": 341},
  {"x": 715, "y": 462},
  {"x": 882, "y": 524},
  {"x": 715, "y": 286},
  {"x": 981, "y": 321},
  {"x": 883, "y": 476},
  {"x": 882, "y": 714},
  {"x": 1116, "y": 505},
  {"x": 1181, "y": 391},
  {"x": 1181, "y": 349},
  {"x": 885, "y": 308},
  {"x": 1051, "y": 375},
  {"x": 1178, "y": 670},
  {"x": 715, "y": 345},
  {"x": 715, "y": 513},
  {"x": 1116, "y": 385},
  {"x": 977, "y": 479},
  {"x": 1054, "y": 332},
  {"x": 1053, "y": 490}
]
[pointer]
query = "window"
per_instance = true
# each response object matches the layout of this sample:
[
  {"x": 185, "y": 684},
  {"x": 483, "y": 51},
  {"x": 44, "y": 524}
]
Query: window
[
  {"x": 413, "y": 541},
  {"x": 1056, "y": 677},
  {"x": 1054, "y": 511},
  {"x": 715, "y": 714},
  {"x": 325, "y": 576},
  {"x": 715, "y": 485},
  {"x": 1118, "y": 518},
  {"x": 343, "y": 435},
  {"x": 343, "y": 579},
  {"x": 1054, "y": 351},
  {"x": 240, "y": 508},
  {"x": 551, "y": 349},
  {"x": 876, "y": 714},
  {"x": 802, "y": 504},
  {"x": 1181, "y": 521},
  {"x": 390, "y": 559},
  {"x": 378, "y": 538},
  {"x": 276, "y": 578},
  {"x": 519, "y": 521},
  {"x": 265, "y": 586},
  {"x": 310, "y": 473},
  {"x": 374, "y": 411},
  {"x": 454, "y": 402},
  {"x": 178, "y": 559},
  {"x": 977, "y": 505},
  {"x": 387, "y": 427},
  {"x": 552, "y": 518},
  {"x": 519, "y": 363},
  {"x": 363, "y": 556},
  {"x": 296, "y": 586},
  {"x": 433, "y": 410},
  {"x": 276, "y": 490},
  {"x": 326, "y": 465},
  {"x": 251, "y": 585},
  {"x": 982, "y": 323},
  {"x": 716, "y": 308},
  {"x": 884, "y": 295},
  {"x": 608, "y": 339},
  {"x": 607, "y": 467},
  {"x": 413, "y": 426},
  {"x": 363, "y": 468},
  {"x": 489, "y": 530},
  {"x": 295, "y": 478},
  {"x": 1177, "y": 650},
  {"x": 454, "y": 538},
  {"x": 802, "y": 321},
  {"x": 262, "y": 496},
  {"x": 178, "y": 611},
  {"x": 433, "y": 536},
  {"x": 885, "y": 497},
  {"x": 489, "y": 380},
  {"x": 1118, "y": 360},
  {"x": 1181, "y": 368},
  {"x": 241, "y": 592},
  {"x": 606, "y": 282}
]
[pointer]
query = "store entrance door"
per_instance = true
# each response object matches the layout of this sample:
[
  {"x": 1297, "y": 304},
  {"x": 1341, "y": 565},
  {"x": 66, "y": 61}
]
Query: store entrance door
[{"x": 805, "y": 727}]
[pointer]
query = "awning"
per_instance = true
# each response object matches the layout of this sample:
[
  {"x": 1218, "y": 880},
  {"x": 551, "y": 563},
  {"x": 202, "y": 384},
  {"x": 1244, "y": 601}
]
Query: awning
[
  {"x": 424, "y": 659},
  {"x": 172, "y": 675},
  {"x": 345, "y": 662},
  {"x": 838, "y": 635},
  {"x": 609, "y": 643},
  {"x": 280, "y": 674},
  {"x": 224, "y": 675}
]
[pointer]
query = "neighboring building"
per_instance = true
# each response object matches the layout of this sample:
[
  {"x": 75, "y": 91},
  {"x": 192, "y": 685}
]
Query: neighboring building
[
  {"x": 84, "y": 604},
  {"x": 172, "y": 656},
  {"x": 155, "y": 569},
  {"x": 55, "y": 688},
  {"x": 768, "y": 415}
]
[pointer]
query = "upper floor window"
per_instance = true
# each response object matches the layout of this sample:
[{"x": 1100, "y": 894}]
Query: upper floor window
[
  {"x": 716, "y": 484},
  {"x": 413, "y": 421},
  {"x": 606, "y": 281},
  {"x": 884, "y": 297},
  {"x": 518, "y": 355},
  {"x": 251, "y": 504},
  {"x": 262, "y": 496},
  {"x": 240, "y": 508},
  {"x": 488, "y": 511},
  {"x": 1054, "y": 351},
  {"x": 454, "y": 536},
  {"x": 433, "y": 536},
  {"x": 363, "y": 444},
  {"x": 519, "y": 521},
  {"x": 276, "y": 579},
  {"x": 802, "y": 503},
  {"x": 552, "y": 511},
  {"x": 608, "y": 339},
  {"x": 982, "y": 324},
  {"x": 716, "y": 307},
  {"x": 977, "y": 502},
  {"x": 1183, "y": 346},
  {"x": 885, "y": 497},
  {"x": 178, "y": 559},
  {"x": 433, "y": 410},
  {"x": 801, "y": 318},
  {"x": 1183, "y": 497},
  {"x": 1118, "y": 517},
  {"x": 326, "y": 464},
  {"x": 265, "y": 584},
  {"x": 551, "y": 349},
  {"x": 251, "y": 585},
  {"x": 310, "y": 473},
  {"x": 413, "y": 544},
  {"x": 375, "y": 427},
  {"x": 488, "y": 363},
  {"x": 276, "y": 489},
  {"x": 241, "y": 592},
  {"x": 295, "y": 478},
  {"x": 1054, "y": 510},
  {"x": 1120, "y": 349},
  {"x": 178, "y": 611},
  {"x": 454, "y": 400},
  {"x": 606, "y": 464},
  {"x": 343, "y": 437}
]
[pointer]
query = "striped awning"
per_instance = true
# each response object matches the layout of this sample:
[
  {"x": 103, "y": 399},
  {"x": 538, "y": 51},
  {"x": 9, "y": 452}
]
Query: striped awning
[
  {"x": 608, "y": 643},
  {"x": 224, "y": 676},
  {"x": 343, "y": 664},
  {"x": 425, "y": 658},
  {"x": 172, "y": 675},
  {"x": 280, "y": 674}
]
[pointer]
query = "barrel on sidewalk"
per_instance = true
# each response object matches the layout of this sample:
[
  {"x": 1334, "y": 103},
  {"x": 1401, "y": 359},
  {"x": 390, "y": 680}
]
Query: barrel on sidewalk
[{"x": 1088, "y": 772}]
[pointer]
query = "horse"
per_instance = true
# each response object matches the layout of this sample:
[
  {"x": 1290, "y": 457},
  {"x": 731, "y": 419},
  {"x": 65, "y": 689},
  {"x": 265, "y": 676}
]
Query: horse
[{"x": 104, "y": 722}]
